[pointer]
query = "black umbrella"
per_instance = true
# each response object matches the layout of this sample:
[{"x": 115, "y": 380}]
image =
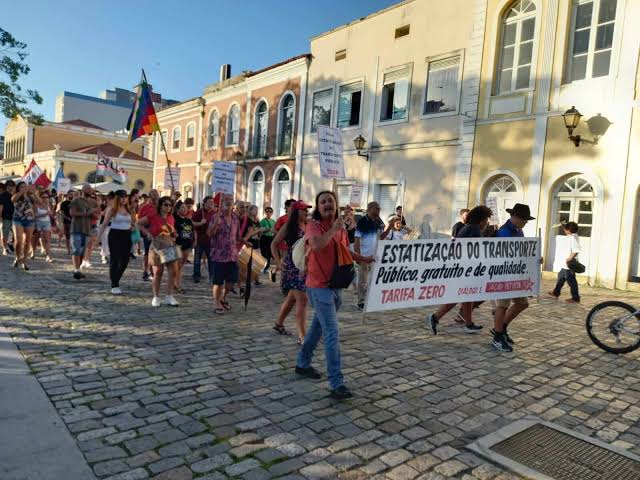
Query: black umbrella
[{"x": 247, "y": 285}]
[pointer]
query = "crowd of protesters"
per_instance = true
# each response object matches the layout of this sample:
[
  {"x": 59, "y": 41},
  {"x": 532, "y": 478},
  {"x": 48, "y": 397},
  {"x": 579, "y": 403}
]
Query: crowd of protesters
[{"x": 166, "y": 230}]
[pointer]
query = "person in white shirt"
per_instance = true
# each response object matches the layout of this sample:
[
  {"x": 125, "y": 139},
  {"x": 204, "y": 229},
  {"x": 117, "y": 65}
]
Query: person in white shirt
[
  {"x": 397, "y": 231},
  {"x": 369, "y": 229},
  {"x": 567, "y": 248}
]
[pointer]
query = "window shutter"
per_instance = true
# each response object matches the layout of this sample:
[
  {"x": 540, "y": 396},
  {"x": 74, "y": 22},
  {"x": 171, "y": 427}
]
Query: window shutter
[
  {"x": 397, "y": 75},
  {"x": 444, "y": 63}
]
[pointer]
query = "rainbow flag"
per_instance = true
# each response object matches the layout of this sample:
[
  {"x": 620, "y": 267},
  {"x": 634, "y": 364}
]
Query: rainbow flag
[{"x": 143, "y": 120}]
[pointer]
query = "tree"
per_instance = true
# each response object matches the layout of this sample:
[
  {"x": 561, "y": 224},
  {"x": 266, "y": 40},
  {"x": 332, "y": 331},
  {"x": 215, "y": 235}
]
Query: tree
[{"x": 13, "y": 99}]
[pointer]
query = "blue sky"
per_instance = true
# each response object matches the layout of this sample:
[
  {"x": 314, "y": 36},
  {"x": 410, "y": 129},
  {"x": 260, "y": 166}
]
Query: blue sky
[{"x": 86, "y": 46}]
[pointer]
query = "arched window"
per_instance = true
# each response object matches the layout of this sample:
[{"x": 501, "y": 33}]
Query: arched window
[
  {"x": 162, "y": 141},
  {"x": 214, "y": 128},
  {"x": 191, "y": 135},
  {"x": 73, "y": 177},
  {"x": 501, "y": 192},
  {"x": 256, "y": 189},
  {"x": 233, "y": 126},
  {"x": 140, "y": 184},
  {"x": 176, "y": 135},
  {"x": 281, "y": 190},
  {"x": 574, "y": 201},
  {"x": 287, "y": 119},
  {"x": 260, "y": 130},
  {"x": 516, "y": 47}
]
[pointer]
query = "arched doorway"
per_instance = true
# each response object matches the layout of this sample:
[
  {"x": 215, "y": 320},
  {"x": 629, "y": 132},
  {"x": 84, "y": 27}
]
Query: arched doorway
[
  {"x": 574, "y": 200},
  {"x": 281, "y": 190},
  {"x": 256, "y": 189},
  {"x": 501, "y": 192}
]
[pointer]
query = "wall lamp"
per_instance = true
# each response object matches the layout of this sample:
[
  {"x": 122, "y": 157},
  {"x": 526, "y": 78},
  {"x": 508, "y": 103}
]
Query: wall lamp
[
  {"x": 359, "y": 142},
  {"x": 571, "y": 119}
]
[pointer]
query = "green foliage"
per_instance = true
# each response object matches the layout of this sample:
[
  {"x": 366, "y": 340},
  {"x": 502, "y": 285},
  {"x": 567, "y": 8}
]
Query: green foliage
[{"x": 13, "y": 99}]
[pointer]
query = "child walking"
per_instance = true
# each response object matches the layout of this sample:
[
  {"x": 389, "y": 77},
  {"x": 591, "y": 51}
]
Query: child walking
[{"x": 567, "y": 249}]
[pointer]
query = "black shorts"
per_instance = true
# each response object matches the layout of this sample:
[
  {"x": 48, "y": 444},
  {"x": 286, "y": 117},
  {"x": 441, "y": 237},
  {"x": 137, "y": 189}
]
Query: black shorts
[
  {"x": 147, "y": 244},
  {"x": 223, "y": 272}
]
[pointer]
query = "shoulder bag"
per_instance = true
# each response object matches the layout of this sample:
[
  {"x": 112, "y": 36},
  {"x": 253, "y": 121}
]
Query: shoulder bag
[
  {"x": 575, "y": 266},
  {"x": 166, "y": 248},
  {"x": 343, "y": 272}
]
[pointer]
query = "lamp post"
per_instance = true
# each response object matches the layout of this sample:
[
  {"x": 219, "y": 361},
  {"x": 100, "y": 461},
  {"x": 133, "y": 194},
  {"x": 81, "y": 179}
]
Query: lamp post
[
  {"x": 239, "y": 157},
  {"x": 359, "y": 142},
  {"x": 571, "y": 119}
]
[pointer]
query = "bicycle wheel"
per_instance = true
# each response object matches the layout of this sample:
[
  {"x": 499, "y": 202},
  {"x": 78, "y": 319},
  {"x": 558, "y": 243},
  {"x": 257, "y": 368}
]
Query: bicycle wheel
[{"x": 614, "y": 327}]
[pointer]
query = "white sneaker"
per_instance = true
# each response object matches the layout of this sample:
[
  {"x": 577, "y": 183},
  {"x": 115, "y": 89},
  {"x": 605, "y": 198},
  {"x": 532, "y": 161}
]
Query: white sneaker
[
  {"x": 116, "y": 291},
  {"x": 155, "y": 302},
  {"x": 87, "y": 264},
  {"x": 104, "y": 260},
  {"x": 169, "y": 300}
]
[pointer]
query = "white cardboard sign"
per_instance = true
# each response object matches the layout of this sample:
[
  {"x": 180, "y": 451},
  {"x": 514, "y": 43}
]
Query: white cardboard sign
[
  {"x": 224, "y": 177},
  {"x": 330, "y": 152}
]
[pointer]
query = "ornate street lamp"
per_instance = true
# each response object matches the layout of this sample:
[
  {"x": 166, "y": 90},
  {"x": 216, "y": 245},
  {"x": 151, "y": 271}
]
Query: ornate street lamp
[
  {"x": 571, "y": 119},
  {"x": 359, "y": 142}
]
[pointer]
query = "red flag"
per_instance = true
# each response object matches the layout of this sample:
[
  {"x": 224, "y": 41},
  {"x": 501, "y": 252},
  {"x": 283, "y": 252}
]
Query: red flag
[{"x": 35, "y": 176}]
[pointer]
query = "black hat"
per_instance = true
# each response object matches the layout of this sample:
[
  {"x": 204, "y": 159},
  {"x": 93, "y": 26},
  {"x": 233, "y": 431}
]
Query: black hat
[{"x": 521, "y": 211}]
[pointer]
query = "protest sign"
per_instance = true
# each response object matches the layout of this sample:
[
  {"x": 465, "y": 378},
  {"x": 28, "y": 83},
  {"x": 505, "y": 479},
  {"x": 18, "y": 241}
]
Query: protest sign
[
  {"x": 355, "y": 199},
  {"x": 330, "y": 152},
  {"x": 492, "y": 203},
  {"x": 64, "y": 185},
  {"x": 224, "y": 177},
  {"x": 171, "y": 173},
  {"x": 416, "y": 273}
]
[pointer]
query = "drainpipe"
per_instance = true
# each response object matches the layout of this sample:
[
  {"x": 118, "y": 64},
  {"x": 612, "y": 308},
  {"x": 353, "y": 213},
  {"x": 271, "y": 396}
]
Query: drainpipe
[{"x": 196, "y": 190}]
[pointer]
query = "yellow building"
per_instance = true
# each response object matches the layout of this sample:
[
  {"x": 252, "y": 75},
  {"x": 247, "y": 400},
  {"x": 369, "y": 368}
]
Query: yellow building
[
  {"x": 72, "y": 145},
  {"x": 540, "y": 58}
]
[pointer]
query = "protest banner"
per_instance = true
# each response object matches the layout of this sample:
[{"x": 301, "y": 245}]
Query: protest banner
[
  {"x": 64, "y": 185},
  {"x": 171, "y": 177},
  {"x": 417, "y": 273},
  {"x": 224, "y": 177},
  {"x": 330, "y": 152},
  {"x": 108, "y": 167},
  {"x": 355, "y": 199}
]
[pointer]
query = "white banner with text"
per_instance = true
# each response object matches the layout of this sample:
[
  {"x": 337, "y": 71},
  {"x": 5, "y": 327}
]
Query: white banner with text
[{"x": 417, "y": 273}]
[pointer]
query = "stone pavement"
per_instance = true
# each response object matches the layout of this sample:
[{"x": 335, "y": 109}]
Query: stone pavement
[{"x": 180, "y": 393}]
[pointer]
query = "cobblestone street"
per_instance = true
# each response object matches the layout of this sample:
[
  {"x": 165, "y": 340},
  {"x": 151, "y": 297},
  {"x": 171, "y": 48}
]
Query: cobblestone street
[{"x": 181, "y": 393}]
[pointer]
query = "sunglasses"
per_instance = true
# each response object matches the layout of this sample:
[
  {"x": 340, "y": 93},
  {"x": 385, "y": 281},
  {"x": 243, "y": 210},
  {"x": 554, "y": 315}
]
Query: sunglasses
[{"x": 167, "y": 204}]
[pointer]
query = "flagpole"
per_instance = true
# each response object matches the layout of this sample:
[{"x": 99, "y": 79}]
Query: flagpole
[{"x": 164, "y": 147}]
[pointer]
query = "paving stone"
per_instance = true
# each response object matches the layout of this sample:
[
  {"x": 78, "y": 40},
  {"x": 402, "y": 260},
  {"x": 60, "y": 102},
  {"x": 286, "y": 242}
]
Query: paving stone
[
  {"x": 212, "y": 463},
  {"x": 137, "y": 474},
  {"x": 181, "y": 473},
  {"x": 319, "y": 470},
  {"x": 142, "y": 444},
  {"x": 395, "y": 457},
  {"x": 110, "y": 467},
  {"x": 242, "y": 467},
  {"x": 451, "y": 468},
  {"x": 105, "y": 453},
  {"x": 166, "y": 464}
]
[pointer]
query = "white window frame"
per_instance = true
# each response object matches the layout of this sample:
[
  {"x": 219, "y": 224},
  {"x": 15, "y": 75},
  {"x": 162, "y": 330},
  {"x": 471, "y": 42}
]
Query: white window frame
[
  {"x": 274, "y": 184},
  {"x": 381, "y": 85},
  {"x": 160, "y": 151},
  {"x": 435, "y": 58},
  {"x": 592, "y": 41},
  {"x": 336, "y": 102},
  {"x": 313, "y": 93},
  {"x": 255, "y": 129},
  {"x": 173, "y": 130},
  {"x": 227, "y": 133},
  {"x": 186, "y": 140},
  {"x": 376, "y": 196},
  {"x": 216, "y": 143},
  {"x": 264, "y": 188},
  {"x": 516, "y": 54},
  {"x": 280, "y": 123}
]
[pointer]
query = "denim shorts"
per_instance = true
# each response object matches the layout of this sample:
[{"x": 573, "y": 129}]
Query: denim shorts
[
  {"x": 24, "y": 223},
  {"x": 78, "y": 244},
  {"x": 43, "y": 224}
]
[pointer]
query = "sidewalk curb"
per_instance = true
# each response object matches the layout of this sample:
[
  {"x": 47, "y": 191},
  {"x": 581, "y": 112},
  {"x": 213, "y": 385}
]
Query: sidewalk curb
[{"x": 34, "y": 441}]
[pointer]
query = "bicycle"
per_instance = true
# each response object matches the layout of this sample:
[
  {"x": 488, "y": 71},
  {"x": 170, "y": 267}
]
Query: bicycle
[{"x": 614, "y": 327}]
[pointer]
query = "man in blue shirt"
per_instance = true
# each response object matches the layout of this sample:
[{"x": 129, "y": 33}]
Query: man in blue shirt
[{"x": 509, "y": 308}]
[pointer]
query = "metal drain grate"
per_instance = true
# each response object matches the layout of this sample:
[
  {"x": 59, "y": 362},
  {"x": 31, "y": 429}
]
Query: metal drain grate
[{"x": 565, "y": 457}]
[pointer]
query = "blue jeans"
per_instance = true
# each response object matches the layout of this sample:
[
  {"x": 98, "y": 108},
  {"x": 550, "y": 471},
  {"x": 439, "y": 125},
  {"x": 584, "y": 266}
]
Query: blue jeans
[
  {"x": 198, "y": 253},
  {"x": 326, "y": 303},
  {"x": 566, "y": 275}
]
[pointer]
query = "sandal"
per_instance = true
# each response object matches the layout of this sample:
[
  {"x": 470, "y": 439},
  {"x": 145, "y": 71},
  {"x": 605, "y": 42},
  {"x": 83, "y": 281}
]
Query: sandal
[
  {"x": 300, "y": 340},
  {"x": 225, "y": 305},
  {"x": 219, "y": 311},
  {"x": 280, "y": 329}
]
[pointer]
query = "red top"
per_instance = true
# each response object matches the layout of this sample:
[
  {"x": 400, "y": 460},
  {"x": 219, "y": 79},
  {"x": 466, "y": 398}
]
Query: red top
[
  {"x": 201, "y": 231},
  {"x": 320, "y": 263},
  {"x": 161, "y": 226},
  {"x": 147, "y": 210},
  {"x": 281, "y": 222}
]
